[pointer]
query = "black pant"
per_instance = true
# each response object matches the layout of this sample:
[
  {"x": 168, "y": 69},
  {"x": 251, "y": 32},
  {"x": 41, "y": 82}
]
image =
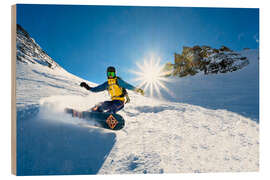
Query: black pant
[{"x": 110, "y": 106}]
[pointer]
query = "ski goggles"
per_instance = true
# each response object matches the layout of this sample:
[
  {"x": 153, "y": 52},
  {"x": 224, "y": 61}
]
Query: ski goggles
[{"x": 111, "y": 74}]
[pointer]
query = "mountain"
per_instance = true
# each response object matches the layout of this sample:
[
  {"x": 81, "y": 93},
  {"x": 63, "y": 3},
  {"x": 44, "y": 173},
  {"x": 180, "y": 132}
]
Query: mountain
[
  {"x": 236, "y": 91},
  {"x": 159, "y": 136},
  {"x": 204, "y": 58},
  {"x": 28, "y": 51}
]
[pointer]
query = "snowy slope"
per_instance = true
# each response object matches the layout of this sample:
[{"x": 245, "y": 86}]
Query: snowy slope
[
  {"x": 159, "y": 136},
  {"x": 236, "y": 91}
]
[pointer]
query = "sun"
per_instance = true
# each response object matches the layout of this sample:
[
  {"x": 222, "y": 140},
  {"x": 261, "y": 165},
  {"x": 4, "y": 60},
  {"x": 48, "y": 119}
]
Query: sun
[{"x": 151, "y": 76}]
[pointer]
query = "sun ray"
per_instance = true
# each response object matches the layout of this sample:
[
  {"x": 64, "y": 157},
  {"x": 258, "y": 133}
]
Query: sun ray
[
  {"x": 156, "y": 88},
  {"x": 165, "y": 88},
  {"x": 142, "y": 84},
  {"x": 151, "y": 76},
  {"x": 146, "y": 86}
]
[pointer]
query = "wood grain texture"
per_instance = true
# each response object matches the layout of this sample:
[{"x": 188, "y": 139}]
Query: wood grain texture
[{"x": 13, "y": 90}]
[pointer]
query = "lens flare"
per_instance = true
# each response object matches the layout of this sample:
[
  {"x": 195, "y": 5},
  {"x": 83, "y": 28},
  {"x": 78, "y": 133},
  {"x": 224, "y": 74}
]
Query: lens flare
[{"x": 151, "y": 76}]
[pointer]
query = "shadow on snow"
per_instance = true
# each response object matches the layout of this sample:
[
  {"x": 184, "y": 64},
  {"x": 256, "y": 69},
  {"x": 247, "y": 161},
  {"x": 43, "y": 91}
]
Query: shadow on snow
[{"x": 47, "y": 148}]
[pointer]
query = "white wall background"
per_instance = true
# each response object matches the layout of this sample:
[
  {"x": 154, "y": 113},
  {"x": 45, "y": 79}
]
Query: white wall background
[{"x": 5, "y": 95}]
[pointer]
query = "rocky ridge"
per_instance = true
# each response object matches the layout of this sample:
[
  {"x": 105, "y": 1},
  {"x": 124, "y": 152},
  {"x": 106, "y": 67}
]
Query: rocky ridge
[
  {"x": 28, "y": 51},
  {"x": 205, "y": 59}
]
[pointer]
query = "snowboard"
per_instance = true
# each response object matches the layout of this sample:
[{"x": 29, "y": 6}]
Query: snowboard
[{"x": 104, "y": 120}]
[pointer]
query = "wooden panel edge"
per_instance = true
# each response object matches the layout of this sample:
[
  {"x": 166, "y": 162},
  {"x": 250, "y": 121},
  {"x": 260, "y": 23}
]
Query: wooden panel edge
[{"x": 13, "y": 91}]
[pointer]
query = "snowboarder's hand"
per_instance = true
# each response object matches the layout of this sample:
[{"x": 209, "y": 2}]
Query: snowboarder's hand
[
  {"x": 127, "y": 99},
  {"x": 138, "y": 90},
  {"x": 83, "y": 84}
]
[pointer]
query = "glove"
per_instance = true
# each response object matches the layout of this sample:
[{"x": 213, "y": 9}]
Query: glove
[
  {"x": 138, "y": 90},
  {"x": 83, "y": 84},
  {"x": 127, "y": 99}
]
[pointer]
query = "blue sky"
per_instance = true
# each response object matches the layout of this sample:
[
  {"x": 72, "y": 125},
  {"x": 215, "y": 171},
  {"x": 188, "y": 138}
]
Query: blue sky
[{"x": 86, "y": 39}]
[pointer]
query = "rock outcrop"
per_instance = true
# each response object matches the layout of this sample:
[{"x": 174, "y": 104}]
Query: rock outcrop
[
  {"x": 206, "y": 59},
  {"x": 29, "y": 52}
]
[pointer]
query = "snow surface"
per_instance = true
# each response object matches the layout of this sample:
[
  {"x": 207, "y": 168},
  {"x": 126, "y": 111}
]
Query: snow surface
[
  {"x": 159, "y": 136},
  {"x": 237, "y": 91}
]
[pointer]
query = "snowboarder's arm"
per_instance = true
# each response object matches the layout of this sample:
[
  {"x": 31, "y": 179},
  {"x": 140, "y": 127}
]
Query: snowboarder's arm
[
  {"x": 99, "y": 88},
  {"x": 125, "y": 85}
]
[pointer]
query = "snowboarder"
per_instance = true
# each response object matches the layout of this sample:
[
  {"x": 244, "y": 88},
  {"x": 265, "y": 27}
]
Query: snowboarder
[{"x": 117, "y": 90}]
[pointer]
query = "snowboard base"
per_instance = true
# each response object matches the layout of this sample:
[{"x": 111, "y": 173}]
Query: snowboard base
[{"x": 104, "y": 120}]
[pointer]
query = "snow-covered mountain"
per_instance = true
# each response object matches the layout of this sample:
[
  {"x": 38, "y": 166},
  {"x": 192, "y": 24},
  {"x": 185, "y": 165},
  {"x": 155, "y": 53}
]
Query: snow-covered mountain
[
  {"x": 236, "y": 91},
  {"x": 28, "y": 51},
  {"x": 204, "y": 58},
  {"x": 159, "y": 136}
]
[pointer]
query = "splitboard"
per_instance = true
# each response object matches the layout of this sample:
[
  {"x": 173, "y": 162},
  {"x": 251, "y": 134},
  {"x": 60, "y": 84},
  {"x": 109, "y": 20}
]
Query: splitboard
[{"x": 104, "y": 120}]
